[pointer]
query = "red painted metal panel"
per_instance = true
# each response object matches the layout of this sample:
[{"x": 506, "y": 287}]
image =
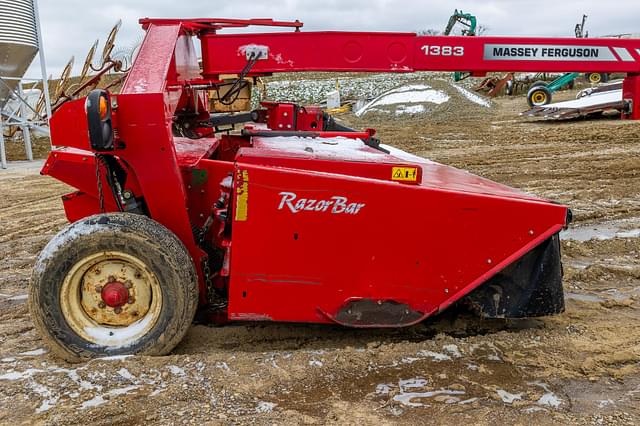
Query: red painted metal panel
[
  {"x": 78, "y": 205},
  {"x": 151, "y": 153},
  {"x": 631, "y": 95},
  {"x": 149, "y": 72},
  {"x": 357, "y": 159},
  {"x": 406, "y": 52},
  {"x": 69, "y": 126},
  {"x": 416, "y": 245}
]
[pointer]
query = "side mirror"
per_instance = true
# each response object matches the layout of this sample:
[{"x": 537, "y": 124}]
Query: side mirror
[{"x": 98, "y": 107}]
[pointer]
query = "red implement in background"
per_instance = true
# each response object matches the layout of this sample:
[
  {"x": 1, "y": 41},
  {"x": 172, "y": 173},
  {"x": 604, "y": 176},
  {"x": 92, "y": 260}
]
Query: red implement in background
[{"x": 298, "y": 218}]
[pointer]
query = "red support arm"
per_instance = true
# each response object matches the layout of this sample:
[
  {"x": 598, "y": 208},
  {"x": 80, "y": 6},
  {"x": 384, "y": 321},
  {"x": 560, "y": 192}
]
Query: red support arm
[{"x": 407, "y": 52}]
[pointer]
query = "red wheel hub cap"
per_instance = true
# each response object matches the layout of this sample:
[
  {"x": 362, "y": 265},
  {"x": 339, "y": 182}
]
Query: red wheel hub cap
[{"x": 115, "y": 294}]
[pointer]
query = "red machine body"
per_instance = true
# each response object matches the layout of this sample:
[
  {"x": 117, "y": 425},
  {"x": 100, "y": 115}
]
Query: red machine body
[{"x": 293, "y": 220}]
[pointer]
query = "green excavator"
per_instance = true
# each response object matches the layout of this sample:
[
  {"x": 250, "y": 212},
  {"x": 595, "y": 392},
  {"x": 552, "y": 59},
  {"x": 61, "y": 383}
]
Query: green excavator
[{"x": 469, "y": 23}]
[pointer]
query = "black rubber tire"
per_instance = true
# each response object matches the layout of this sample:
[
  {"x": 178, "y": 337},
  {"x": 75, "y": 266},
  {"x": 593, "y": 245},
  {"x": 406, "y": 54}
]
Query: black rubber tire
[
  {"x": 539, "y": 96},
  {"x": 510, "y": 88},
  {"x": 596, "y": 78},
  {"x": 538, "y": 83},
  {"x": 150, "y": 242}
]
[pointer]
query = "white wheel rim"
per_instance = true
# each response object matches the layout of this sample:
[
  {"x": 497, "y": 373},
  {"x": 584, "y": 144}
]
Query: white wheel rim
[{"x": 82, "y": 299}]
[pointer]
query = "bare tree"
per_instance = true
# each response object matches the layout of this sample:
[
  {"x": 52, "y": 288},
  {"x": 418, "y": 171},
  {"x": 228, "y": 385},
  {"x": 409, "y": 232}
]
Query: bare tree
[
  {"x": 482, "y": 30},
  {"x": 429, "y": 32}
]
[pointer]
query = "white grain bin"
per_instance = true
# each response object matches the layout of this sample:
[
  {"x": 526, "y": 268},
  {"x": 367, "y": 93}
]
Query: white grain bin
[{"x": 18, "y": 42}]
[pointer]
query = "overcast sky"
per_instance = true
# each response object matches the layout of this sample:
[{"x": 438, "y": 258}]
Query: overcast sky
[{"x": 70, "y": 26}]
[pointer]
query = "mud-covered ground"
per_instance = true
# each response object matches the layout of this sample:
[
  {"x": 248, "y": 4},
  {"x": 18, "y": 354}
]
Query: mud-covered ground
[{"x": 579, "y": 367}]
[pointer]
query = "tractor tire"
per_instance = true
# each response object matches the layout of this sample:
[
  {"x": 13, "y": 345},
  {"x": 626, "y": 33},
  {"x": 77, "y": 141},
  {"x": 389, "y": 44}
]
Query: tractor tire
[
  {"x": 510, "y": 88},
  {"x": 538, "y": 83},
  {"x": 113, "y": 284},
  {"x": 539, "y": 96},
  {"x": 596, "y": 78}
]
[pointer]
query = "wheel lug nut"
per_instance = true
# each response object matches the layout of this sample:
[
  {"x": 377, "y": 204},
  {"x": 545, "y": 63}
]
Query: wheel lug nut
[
  {"x": 98, "y": 289},
  {"x": 102, "y": 305},
  {"x": 131, "y": 301},
  {"x": 111, "y": 278},
  {"x": 128, "y": 284},
  {"x": 117, "y": 310},
  {"x": 97, "y": 271}
]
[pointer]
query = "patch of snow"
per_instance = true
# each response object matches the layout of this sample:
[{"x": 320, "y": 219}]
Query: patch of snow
[
  {"x": 223, "y": 365},
  {"x": 453, "y": 350},
  {"x": 176, "y": 371},
  {"x": 406, "y": 398},
  {"x": 35, "y": 352},
  {"x": 472, "y": 96},
  {"x": 125, "y": 374},
  {"x": 383, "y": 389},
  {"x": 46, "y": 393},
  {"x": 18, "y": 297},
  {"x": 16, "y": 375},
  {"x": 410, "y": 109},
  {"x": 435, "y": 355},
  {"x": 100, "y": 399},
  {"x": 634, "y": 233},
  {"x": 508, "y": 397},
  {"x": 8, "y": 359},
  {"x": 326, "y": 148},
  {"x": 47, "y": 404},
  {"x": 605, "y": 402},
  {"x": 415, "y": 93},
  {"x": 114, "y": 358},
  {"x": 75, "y": 377},
  {"x": 315, "y": 363},
  {"x": 265, "y": 407},
  {"x": 549, "y": 399},
  {"x": 157, "y": 392},
  {"x": 412, "y": 383}
]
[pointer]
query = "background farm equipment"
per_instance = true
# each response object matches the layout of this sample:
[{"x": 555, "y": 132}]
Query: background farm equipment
[
  {"x": 603, "y": 99},
  {"x": 541, "y": 93},
  {"x": 469, "y": 24}
]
